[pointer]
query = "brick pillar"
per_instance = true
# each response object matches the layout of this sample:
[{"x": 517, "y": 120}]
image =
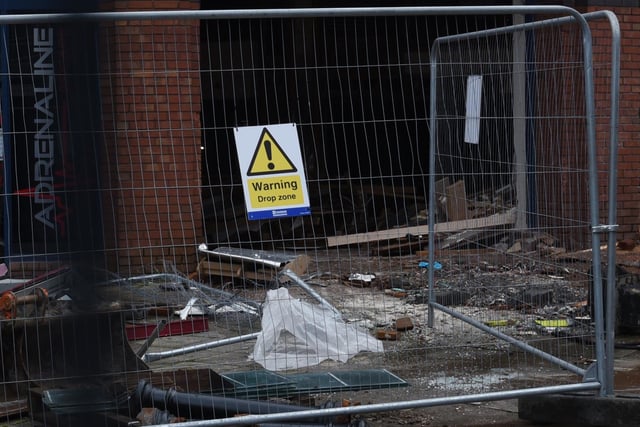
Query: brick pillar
[
  {"x": 151, "y": 98},
  {"x": 560, "y": 141},
  {"x": 628, "y": 185}
]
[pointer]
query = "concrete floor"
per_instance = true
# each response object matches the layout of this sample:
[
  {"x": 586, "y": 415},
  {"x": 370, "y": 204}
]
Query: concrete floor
[{"x": 505, "y": 413}]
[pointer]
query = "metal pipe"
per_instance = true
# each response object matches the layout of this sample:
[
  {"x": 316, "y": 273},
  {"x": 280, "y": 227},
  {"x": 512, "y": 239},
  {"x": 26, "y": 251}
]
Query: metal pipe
[
  {"x": 151, "y": 338},
  {"x": 610, "y": 310},
  {"x": 293, "y": 425},
  {"x": 298, "y": 281},
  {"x": 433, "y": 142},
  {"x": 522, "y": 345},
  {"x": 286, "y": 13},
  {"x": 297, "y": 425},
  {"x": 257, "y": 257},
  {"x": 150, "y": 357},
  {"x": 592, "y": 154},
  {"x": 396, "y": 406},
  {"x": 205, "y": 406}
]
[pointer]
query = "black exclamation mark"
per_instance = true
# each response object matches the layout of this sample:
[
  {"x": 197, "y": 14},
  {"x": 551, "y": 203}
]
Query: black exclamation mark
[{"x": 267, "y": 147}]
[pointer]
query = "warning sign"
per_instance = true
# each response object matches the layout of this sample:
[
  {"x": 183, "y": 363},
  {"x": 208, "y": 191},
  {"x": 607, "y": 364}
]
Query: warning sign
[
  {"x": 269, "y": 157},
  {"x": 272, "y": 171}
]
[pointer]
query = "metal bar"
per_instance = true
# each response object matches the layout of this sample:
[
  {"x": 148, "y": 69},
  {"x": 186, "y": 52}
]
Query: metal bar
[
  {"x": 150, "y": 357},
  {"x": 610, "y": 310},
  {"x": 287, "y": 13},
  {"x": 298, "y": 281},
  {"x": 433, "y": 142},
  {"x": 594, "y": 206},
  {"x": 394, "y": 406},
  {"x": 517, "y": 343},
  {"x": 272, "y": 259},
  {"x": 211, "y": 406},
  {"x": 52, "y": 281},
  {"x": 7, "y": 128},
  {"x": 151, "y": 338},
  {"x": 210, "y": 291}
]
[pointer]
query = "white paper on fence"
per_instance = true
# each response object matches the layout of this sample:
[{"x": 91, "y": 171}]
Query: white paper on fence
[
  {"x": 296, "y": 334},
  {"x": 473, "y": 109}
]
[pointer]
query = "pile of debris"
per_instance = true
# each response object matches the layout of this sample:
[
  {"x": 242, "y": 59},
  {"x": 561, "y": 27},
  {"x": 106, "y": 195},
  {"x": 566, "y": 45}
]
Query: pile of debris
[
  {"x": 66, "y": 337},
  {"x": 67, "y": 358}
]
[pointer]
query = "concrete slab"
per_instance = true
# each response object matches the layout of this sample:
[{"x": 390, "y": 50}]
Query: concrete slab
[{"x": 581, "y": 410}]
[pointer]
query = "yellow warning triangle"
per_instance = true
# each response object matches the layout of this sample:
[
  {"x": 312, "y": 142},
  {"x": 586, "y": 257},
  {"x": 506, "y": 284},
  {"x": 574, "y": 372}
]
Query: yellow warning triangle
[{"x": 269, "y": 157}]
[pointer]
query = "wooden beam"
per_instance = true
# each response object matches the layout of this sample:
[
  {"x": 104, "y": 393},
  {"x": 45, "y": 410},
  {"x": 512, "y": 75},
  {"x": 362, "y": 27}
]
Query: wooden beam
[
  {"x": 252, "y": 271},
  {"x": 456, "y": 203},
  {"x": 495, "y": 220}
]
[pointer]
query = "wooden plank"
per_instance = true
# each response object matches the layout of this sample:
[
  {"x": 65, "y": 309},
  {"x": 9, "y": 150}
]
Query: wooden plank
[
  {"x": 253, "y": 269},
  {"x": 495, "y": 220},
  {"x": 298, "y": 266},
  {"x": 456, "y": 202},
  {"x": 259, "y": 275},
  {"x": 218, "y": 268}
]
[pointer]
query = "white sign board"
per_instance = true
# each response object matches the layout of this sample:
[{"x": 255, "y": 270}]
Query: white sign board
[
  {"x": 473, "y": 110},
  {"x": 272, "y": 171}
]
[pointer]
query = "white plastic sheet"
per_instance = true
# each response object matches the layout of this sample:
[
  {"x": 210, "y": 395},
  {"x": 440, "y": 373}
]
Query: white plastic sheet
[{"x": 296, "y": 334}]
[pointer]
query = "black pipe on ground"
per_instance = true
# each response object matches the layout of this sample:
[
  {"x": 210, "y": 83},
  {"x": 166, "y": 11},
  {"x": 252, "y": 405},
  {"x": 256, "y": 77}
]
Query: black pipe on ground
[
  {"x": 204, "y": 406},
  {"x": 355, "y": 423},
  {"x": 294, "y": 425}
]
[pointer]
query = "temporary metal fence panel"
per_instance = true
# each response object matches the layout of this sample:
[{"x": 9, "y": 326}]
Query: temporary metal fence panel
[
  {"x": 217, "y": 207},
  {"x": 539, "y": 166}
]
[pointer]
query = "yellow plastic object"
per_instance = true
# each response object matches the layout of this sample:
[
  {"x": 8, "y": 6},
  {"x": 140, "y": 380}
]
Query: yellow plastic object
[{"x": 553, "y": 323}]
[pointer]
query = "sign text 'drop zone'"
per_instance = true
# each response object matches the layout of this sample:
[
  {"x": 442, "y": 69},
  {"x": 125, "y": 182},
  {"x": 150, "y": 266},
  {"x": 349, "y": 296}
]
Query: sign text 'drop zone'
[{"x": 275, "y": 191}]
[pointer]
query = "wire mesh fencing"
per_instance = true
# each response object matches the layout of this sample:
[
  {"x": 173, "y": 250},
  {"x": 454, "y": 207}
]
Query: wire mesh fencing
[
  {"x": 546, "y": 194},
  {"x": 256, "y": 213}
]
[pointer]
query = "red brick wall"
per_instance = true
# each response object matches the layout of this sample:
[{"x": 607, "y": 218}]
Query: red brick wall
[
  {"x": 151, "y": 104},
  {"x": 561, "y": 155},
  {"x": 628, "y": 183},
  {"x": 628, "y": 192}
]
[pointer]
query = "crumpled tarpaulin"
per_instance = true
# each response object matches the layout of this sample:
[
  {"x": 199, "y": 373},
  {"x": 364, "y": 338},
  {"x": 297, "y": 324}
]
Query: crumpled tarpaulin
[{"x": 296, "y": 334}]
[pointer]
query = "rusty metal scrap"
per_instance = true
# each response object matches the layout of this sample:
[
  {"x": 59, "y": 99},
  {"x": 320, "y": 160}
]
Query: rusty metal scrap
[{"x": 10, "y": 302}]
